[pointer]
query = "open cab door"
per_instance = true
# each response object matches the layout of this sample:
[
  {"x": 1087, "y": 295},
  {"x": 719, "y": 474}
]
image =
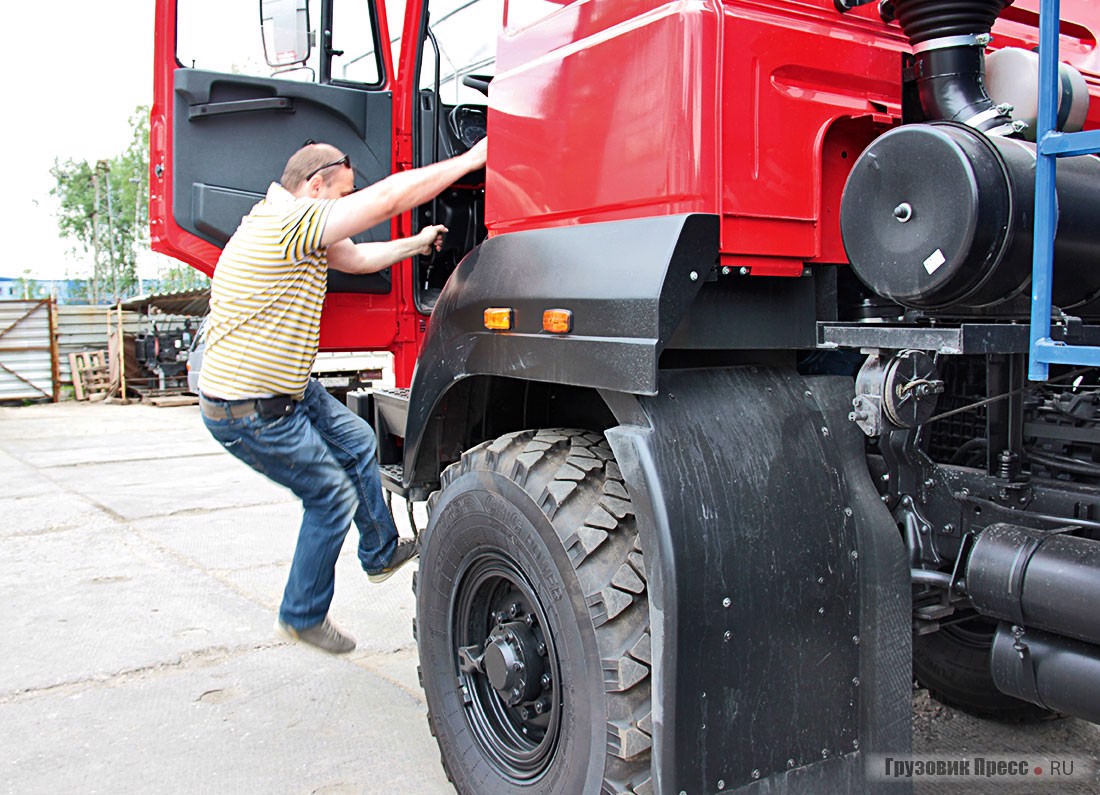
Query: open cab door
[{"x": 239, "y": 87}]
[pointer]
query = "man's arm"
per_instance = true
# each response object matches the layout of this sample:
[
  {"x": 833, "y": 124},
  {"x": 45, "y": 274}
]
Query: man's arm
[
  {"x": 396, "y": 194},
  {"x": 343, "y": 255}
]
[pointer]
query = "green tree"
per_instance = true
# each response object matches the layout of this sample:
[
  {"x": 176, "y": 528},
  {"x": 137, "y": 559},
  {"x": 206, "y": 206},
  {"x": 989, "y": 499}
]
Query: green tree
[
  {"x": 179, "y": 277},
  {"x": 26, "y": 287},
  {"x": 77, "y": 292},
  {"x": 104, "y": 211}
]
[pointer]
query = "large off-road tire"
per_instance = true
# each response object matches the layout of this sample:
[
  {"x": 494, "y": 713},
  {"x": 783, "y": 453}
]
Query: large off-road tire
[
  {"x": 533, "y": 620},
  {"x": 953, "y": 664}
]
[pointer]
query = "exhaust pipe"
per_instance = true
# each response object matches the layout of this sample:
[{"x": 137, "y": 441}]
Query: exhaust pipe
[
  {"x": 1056, "y": 673},
  {"x": 1036, "y": 579},
  {"x": 1032, "y": 581}
]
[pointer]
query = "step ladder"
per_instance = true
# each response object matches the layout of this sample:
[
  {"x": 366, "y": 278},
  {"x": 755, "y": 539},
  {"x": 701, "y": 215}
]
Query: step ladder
[{"x": 1051, "y": 145}]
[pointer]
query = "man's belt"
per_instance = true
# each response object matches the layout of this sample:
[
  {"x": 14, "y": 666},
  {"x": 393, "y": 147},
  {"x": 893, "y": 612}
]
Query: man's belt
[{"x": 268, "y": 408}]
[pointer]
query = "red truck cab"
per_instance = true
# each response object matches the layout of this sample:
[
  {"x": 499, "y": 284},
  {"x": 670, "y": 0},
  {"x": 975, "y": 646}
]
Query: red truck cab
[{"x": 776, "y": 443}]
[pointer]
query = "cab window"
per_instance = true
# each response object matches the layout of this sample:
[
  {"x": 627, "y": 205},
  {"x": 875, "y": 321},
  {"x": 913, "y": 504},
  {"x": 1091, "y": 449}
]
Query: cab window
[{"x": 220, "y": 36}]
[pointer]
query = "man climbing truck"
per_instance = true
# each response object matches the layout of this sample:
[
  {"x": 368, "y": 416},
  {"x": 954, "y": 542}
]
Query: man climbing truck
[{"x": 718, "y": 391}]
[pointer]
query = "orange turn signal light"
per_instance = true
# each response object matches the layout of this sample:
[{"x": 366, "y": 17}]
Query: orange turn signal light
[
  {"x": 498, "y": 318},
  {"x": 557, "y": 321}
]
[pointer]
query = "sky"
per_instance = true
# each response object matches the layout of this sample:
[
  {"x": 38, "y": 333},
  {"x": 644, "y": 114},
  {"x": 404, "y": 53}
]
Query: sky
[
  {"x": 76, "y": 72},
  {"x": 80, "y": 70}
]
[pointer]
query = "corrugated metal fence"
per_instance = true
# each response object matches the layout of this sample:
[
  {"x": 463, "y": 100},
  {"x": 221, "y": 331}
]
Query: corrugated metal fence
[
  {"x": 36, "y": 338},
  {"x": 28, "y": 356}
]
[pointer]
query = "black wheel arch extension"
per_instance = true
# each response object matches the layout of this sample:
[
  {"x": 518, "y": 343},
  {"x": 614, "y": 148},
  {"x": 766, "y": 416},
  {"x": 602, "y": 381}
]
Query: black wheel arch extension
[{"x": 628, "y": 284}]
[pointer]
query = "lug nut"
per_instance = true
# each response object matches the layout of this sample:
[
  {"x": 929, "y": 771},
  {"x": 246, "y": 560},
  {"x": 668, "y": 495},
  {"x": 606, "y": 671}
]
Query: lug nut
[{"x": 546, "y": 681}]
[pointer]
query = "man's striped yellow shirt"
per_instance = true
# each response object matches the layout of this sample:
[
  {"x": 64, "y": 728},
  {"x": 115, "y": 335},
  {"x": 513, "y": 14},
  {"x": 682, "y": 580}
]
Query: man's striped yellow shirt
[{"x": 265, "y": 301}]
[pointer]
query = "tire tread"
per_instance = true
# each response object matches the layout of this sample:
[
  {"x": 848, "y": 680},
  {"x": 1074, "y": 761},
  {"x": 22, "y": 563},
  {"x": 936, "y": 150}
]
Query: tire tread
[{"x": 573, "y": 477}]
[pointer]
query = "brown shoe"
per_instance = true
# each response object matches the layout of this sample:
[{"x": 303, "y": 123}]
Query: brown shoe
[
  {"x": 406, "y": 551},
  {"x": 326, "y": 636}
]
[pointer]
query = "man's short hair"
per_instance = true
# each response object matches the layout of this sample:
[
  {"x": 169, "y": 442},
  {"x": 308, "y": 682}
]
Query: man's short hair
[{"x": 307, "y": 160}]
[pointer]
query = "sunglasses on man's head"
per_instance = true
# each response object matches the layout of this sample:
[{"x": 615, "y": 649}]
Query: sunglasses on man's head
[{"x": 343, "y": 161}]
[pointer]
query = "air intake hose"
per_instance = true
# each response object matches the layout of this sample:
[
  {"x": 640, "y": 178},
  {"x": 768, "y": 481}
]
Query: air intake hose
[
  {"x": 948, "y": 39},
  {"x": 924, "y": 20}
]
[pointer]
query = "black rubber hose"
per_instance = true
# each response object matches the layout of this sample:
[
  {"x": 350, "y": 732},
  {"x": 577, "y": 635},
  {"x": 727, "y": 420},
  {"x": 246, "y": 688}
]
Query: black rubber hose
[
  {"x": 922, "y": 20},
  {"x": 951, "y": 85},
  {"x": 951, "y": 80}
]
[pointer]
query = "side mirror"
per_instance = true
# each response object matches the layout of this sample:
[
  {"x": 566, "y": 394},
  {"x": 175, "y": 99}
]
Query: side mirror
[{"x": 285, "y": 28}]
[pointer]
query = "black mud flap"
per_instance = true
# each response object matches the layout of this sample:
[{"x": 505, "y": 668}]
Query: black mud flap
[{"x": 778, "y": 585}]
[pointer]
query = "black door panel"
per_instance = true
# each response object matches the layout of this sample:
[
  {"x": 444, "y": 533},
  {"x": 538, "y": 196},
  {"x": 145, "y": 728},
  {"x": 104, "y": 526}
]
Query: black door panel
[
  {"x": 234, "y": 133},
  {"x": 216, "y": 211}
]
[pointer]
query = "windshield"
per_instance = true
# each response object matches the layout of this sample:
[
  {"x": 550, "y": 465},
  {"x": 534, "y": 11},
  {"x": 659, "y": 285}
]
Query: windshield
[{"x": 466, "y": 32}]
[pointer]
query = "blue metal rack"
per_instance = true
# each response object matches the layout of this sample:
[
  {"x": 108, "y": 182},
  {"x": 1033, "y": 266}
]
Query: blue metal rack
[{"x": 1051, "y": 145}]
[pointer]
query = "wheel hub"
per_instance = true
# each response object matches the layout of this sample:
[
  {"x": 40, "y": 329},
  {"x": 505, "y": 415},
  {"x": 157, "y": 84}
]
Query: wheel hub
[
  {"x": 508, "y": 672},
  {"x": 512, "y": 662}
]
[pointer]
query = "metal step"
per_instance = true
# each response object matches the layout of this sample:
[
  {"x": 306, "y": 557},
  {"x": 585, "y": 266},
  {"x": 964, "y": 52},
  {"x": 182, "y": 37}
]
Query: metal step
[
  {"x": 391, "y": 410},
  {"x": 391, "y": 479}
]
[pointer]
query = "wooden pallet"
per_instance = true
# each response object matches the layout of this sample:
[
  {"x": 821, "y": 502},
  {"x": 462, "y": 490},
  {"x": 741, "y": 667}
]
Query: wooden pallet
[
  {"x": 163, "y": 401},
  {"x": 91, "y": 374}
]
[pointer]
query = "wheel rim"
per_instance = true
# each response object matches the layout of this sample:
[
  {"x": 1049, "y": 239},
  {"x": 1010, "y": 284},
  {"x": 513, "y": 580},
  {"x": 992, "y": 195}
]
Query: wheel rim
[{"x": 506, "y": 666}]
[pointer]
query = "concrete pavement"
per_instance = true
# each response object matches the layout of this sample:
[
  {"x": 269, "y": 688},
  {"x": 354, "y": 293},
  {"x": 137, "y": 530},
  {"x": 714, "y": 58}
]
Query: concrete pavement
[{"x": 141, "y": 571}]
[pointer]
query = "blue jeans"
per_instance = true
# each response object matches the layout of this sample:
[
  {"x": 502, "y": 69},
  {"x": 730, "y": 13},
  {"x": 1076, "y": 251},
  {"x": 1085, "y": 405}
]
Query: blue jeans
[{"x": 327, "y": 456}]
